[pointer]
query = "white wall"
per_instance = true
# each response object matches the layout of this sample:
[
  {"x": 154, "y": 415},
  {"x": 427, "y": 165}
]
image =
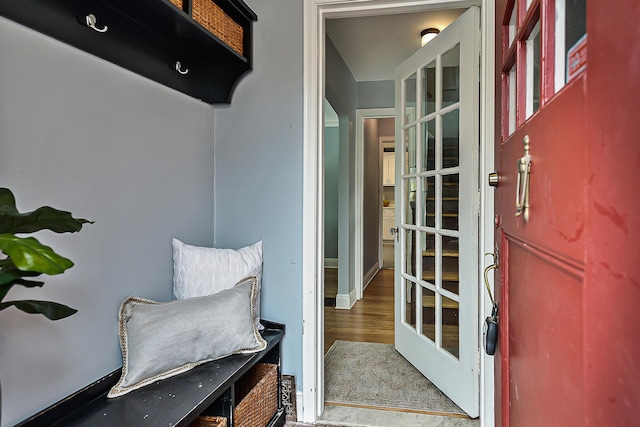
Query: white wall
[{"x": 83, "y": 135}]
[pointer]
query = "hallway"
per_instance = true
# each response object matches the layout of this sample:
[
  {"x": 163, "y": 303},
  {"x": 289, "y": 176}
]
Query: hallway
[{"x": 371, "y": 320}]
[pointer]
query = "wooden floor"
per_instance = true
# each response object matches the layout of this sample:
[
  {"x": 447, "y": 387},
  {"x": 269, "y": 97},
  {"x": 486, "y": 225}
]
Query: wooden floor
[{"x": 369, "y": 320}]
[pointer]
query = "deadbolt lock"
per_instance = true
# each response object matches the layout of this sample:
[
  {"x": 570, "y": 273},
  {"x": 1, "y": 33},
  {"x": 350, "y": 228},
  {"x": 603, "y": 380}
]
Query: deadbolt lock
[{"x": 494, "y": 179}]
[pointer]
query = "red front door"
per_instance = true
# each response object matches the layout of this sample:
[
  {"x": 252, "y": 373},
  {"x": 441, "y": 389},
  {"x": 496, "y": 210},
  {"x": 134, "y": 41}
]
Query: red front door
[{"x": 569, "y": 281}]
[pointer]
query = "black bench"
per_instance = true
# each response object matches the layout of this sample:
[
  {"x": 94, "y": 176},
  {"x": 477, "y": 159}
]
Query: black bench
[{"x": 205, "y": 390}]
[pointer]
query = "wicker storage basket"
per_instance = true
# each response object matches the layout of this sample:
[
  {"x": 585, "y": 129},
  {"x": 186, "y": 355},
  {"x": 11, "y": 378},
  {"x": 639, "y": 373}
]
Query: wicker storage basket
[
  {"x": 207, "y": 421},
  {"x": 209, "y": 15},
  {"x": 257, "y": 393},
  {"x": 178, "y": 3}
]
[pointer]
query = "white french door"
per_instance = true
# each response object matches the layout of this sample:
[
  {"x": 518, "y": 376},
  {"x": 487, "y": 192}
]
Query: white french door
[{"x": 437, "y": 146}]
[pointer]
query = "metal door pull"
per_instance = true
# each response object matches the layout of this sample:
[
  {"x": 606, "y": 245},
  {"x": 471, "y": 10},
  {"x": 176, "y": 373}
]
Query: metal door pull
[{"x": 522, "y": 185}]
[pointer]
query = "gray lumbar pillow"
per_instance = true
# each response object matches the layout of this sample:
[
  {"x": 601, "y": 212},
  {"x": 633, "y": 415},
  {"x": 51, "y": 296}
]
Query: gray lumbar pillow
[{"x": 160, "y": 340}]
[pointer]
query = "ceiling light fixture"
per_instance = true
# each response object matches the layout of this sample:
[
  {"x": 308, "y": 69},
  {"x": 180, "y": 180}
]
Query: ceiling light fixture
[{"x": 428, "y": 34}]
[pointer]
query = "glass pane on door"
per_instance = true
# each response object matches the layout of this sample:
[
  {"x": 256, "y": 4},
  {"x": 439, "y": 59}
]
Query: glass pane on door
[
  {"x": 533, "y": 71},
  {"x": 410, "y": 150},
  {"x": 429, "y": 314},
  {"x": 450, "y": 326},
  {"x": 570, "y": 40},
  {"x": 429, "y": 145},
  {"x": 429, "y": 257},
  {"x": 450, "y": 196},
  {"x": 410, "y": 302},
  {"x": 511, "y": 103},
  {"x": 451, "y": 139},
  {"x": 410, "y": 197},
  {"x": 450, "y": 264},
  {"x": 429, "y": 88},
  {"x": 410, "y": 258},
  {"x": 410, "y": 99},
  {"x": 451, "y": 76},
  {"x": 429, "y": 201}
]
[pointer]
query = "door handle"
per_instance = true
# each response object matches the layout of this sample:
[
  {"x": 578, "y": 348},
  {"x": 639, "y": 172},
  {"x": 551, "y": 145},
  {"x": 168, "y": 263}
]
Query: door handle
[
  {"x": 394, "y": 231},
  {"x": 522, "y": 184}
]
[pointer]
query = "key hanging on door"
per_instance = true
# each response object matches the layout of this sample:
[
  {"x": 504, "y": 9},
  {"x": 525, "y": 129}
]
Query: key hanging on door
[{"x": 490, "y": 332}]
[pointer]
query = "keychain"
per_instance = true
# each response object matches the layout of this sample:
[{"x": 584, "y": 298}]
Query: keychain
[{"x": 490, "y": 332}]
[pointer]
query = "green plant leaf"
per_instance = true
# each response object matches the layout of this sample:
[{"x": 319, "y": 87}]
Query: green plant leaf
[
  {"x": 51, "y": 310},
  {"x": 10, "y": 273},
  {"x": 27, "y": 257},
  {"x": 43, "y": 218},
  {"x": 7, "y": 201},
  {"x": 30, "y": 255},
  {"x": 4, "y": 289}
]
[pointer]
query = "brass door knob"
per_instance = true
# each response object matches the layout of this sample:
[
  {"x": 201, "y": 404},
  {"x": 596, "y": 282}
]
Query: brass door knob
[{"x": 494, "y": 179}]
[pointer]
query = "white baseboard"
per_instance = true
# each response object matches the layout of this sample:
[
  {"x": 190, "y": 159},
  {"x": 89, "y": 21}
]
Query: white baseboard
[
  {"x": 299, "y": 406},
  {"x": 346, "y": 301},
  {"x": 368, "y": 277},
  {"x": 331, "y": 262}
]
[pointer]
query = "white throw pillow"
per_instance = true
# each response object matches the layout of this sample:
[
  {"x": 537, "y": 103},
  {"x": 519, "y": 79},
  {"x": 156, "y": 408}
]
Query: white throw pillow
[{"x": 200, "y": 271}]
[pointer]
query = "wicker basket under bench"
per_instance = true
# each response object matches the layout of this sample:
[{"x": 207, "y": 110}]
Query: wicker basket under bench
[{"x": 237, "y": 391}]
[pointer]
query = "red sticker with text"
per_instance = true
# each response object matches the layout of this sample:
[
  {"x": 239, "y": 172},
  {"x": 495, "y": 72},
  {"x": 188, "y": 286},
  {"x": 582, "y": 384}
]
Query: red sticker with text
[{"x": 577, "y": 58}]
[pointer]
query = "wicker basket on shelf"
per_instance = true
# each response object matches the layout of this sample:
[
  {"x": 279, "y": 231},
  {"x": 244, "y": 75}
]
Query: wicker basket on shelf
[
  {"x": 178, "y": 3},
  {"x": 213, "y": 18},
  {"x": 257, "y": 393},
  {"x": 208, "y": 421}
]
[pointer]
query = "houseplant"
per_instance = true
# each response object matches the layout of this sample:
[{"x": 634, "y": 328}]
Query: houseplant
[{"x": 26, "y": 258}]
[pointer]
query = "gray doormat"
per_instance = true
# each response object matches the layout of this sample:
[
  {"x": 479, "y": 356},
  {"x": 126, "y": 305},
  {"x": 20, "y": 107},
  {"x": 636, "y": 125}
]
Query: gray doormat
[{"x": 376, "y": 376}]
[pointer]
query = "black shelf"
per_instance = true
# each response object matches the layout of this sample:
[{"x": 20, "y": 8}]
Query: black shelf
[
  {"x": 175, "y": 401},
  {"x": 147, "y": 37}
]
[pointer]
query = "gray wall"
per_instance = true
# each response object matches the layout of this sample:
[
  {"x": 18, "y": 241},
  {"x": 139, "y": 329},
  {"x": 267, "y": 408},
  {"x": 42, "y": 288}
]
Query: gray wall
[
  {"x": 258, "y": 163},
  {"x": 331, "y": 169},
  {"x": 341, "y": 91},
  {"x": 83, "y": 135},
  {"x": 371, "y": 196},
  {"x": 387, "y": 126},
  {"x": 377, "y": 94}
]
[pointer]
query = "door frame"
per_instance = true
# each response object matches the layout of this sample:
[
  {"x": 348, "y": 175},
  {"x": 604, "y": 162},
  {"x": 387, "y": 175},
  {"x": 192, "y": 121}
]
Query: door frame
[{"x": 315, "y": 13}]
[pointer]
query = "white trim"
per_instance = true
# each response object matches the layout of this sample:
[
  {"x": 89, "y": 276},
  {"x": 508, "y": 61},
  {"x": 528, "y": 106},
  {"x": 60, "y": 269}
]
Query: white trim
[
  {"x": 299, "y": 403},
  {"x": 312, "y": 225},
  {"x": 315, "y": 12},
  {"x": 486, "y": 228},
  {"x": 331, "y": 263},
  {"x": 361, "y": 115},
  {"x": 346, "y": 301},
  {"x": 331, "y": 122}
]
